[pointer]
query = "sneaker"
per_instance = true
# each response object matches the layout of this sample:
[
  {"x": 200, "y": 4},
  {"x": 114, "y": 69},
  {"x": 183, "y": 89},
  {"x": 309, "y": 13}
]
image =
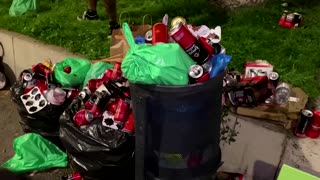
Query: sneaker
[
  {"x": 113, "y": 26},
  {"x": 88, "y": 15}
]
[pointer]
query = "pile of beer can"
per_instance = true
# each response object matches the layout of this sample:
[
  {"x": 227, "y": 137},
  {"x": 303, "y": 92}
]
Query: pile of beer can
[
  {"x": 309, "y": 124},
  {"x": 107, "y": 99},
  {"x": 200, "y": 43},
  {"x": 259, "y": 84},
  {"x": 40, "y": 88}
]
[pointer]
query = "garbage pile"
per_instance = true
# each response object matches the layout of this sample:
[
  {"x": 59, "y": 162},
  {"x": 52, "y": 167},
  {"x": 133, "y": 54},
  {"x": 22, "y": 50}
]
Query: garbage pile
[
  {"x": 183, "y": 55},
  {"x": 97, "y": 128},
  {"x": 259, "y": 86},
  {"x": 40, "y": 100},
  {"x": 89, "y": 106}
]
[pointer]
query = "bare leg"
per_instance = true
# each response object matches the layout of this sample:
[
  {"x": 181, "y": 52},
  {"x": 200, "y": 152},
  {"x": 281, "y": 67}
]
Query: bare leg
[
  {"x": 92, "y": 5},
  {"x": 111, "y": 9}
]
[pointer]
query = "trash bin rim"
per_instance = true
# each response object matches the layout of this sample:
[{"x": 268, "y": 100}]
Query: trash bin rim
[{"x": 175, "y": 89}]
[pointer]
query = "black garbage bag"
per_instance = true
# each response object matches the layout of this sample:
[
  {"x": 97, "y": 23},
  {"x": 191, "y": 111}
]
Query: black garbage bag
[
  {"x": 44, "y": 122},
  {"x": 97, "y": 152}
]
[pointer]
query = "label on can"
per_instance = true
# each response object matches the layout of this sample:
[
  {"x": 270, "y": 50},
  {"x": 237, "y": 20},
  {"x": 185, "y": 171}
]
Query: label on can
[{"x": 189, "y": 43}]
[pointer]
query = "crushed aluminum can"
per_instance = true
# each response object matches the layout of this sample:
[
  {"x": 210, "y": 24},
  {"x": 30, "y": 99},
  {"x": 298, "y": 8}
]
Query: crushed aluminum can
[
  {"x": 290, "y": 20},
  {"x": 83, "y": 117}
]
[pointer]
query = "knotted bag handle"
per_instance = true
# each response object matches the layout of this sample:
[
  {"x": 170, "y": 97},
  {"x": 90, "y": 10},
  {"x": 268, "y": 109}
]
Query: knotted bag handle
[{"x": 128, "y": 34}]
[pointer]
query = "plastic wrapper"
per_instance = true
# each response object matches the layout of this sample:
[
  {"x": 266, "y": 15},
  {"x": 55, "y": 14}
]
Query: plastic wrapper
[
  {"x": 76, "y": 73},
  {"x": 94, "y": 147},
  {"x": 163, "y": 64},
  {"x": 219, "y": 63},
  {"x": 33, "y": 152}
]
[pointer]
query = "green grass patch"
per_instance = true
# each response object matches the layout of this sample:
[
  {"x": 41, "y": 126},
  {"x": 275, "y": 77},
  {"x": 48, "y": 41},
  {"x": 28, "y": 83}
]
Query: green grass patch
[{"x": 247, "y": 33}]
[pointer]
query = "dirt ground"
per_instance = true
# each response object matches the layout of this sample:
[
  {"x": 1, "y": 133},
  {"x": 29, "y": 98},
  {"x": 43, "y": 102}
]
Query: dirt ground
[{"x": 10, "y": 129}]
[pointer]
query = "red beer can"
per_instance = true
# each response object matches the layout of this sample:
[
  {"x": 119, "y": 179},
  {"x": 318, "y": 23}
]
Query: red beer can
[
  {"x": 204, "y": 43},
  {"x": 89, "y": 103},
  {"x": 41, "y": 69},
  {"x": 203, "y": 78},
  {"x": 159, "y": 33},
  {"x": 189, "y": 43},
  {"x": 42, "y": 85},
  {"x": 94, "y": 84},
  {"x": 316, "y": 116},
  {"x": 116, "y": 73},
  {"x": 73, "y": 176},
  {"x": 82, "y": 117},
  {"x": 100, "y": 104},
  {"x": 112, "y": 106},
  {"x": 73, "y": 93},
  {"x": 129, "y": 125},
  {"x": 107, "y": 75},
  {"x": 313, "y": 131},
  {"x": 121, "y": 111}
]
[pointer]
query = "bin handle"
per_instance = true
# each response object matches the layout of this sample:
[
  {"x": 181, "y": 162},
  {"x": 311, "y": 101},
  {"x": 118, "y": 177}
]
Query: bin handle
[{"x": 141, "y": 142}]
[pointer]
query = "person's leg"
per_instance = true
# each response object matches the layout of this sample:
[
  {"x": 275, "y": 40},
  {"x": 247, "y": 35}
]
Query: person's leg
[
  {"x": 91, "y": 12},
  {"x": 92, "y": 5},
  {"x": 111, "y": 9}
]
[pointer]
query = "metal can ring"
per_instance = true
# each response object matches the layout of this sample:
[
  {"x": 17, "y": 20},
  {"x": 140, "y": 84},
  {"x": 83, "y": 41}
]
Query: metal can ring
[
  {"x": 273, "y": 76},
  {"x": 27, "y": 76},
  {"x": 148, "y": 36}
]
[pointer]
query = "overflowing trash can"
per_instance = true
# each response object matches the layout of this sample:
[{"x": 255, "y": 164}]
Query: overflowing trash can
[{"x": 177, "y": 130}]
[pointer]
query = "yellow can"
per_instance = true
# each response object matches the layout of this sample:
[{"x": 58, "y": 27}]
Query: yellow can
[{"x": 175, "y": 21}]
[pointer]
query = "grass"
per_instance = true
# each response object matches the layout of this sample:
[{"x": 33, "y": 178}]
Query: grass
[{"x": 247, "y": 33}]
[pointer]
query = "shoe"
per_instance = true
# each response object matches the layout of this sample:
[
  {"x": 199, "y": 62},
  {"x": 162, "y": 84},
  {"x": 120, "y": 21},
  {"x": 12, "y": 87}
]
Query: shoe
[
  {"x": 88, "y": 15},
  {"x": 113, "y": 26}
]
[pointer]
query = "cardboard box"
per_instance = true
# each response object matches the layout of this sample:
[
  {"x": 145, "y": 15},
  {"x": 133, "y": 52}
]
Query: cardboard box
[{"x": 279, "y": 114}]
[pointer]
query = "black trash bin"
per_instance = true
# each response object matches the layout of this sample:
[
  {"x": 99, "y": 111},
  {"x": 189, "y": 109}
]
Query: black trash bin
[{"x": 177, "y": 130}]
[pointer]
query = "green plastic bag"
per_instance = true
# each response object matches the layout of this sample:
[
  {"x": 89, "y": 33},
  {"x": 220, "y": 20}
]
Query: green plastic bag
[
  {"x": 21, "y": 7},
  {"x": 79, "y": 68},
  {"x": 33, "y": 152},
  {"x": 96, "y": 70},
  {"x": 162, "y": 64}
]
